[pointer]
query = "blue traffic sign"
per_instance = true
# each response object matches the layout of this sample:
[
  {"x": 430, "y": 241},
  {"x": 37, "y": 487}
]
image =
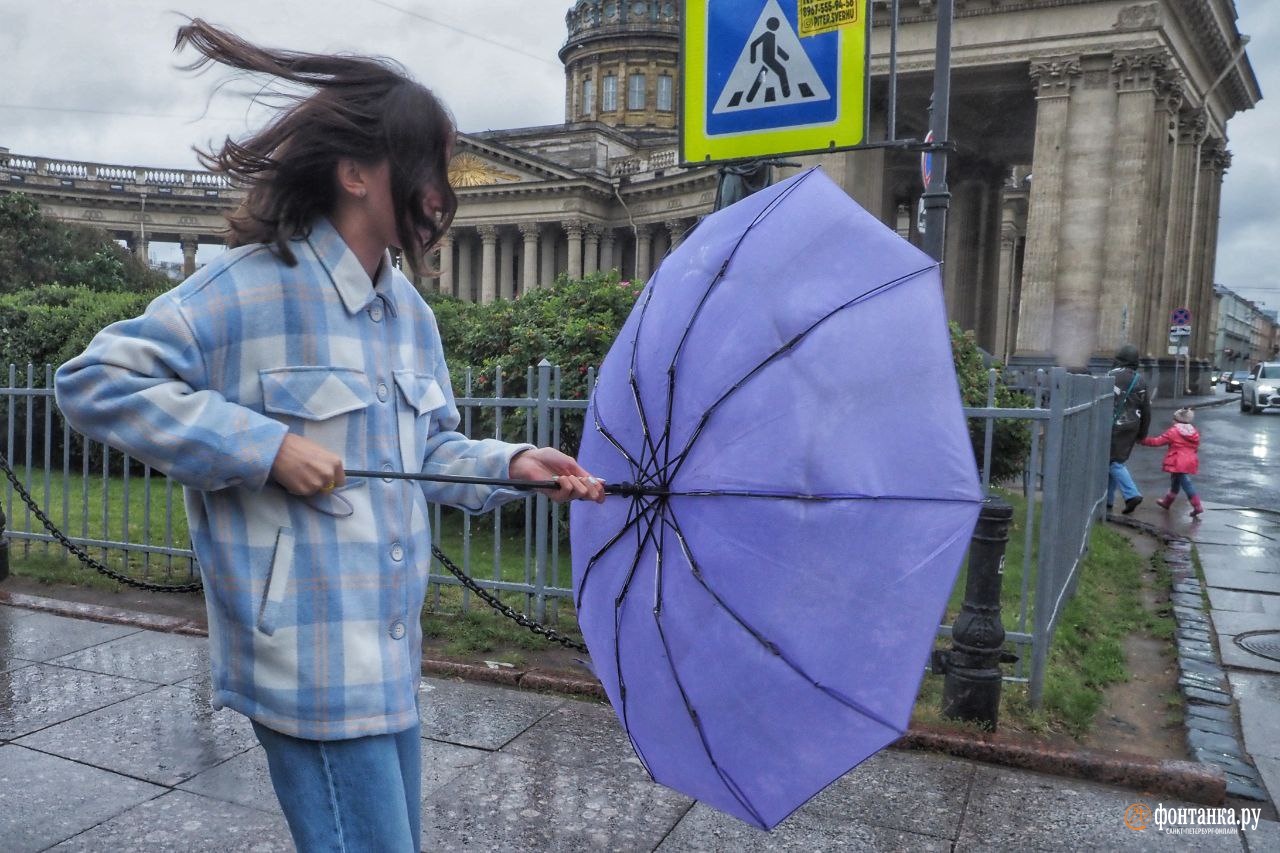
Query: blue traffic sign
[
  {"x": 753, "y": 86},
  {"x": 761, "y": 76},
  {"x": 1180, "y": 317}
]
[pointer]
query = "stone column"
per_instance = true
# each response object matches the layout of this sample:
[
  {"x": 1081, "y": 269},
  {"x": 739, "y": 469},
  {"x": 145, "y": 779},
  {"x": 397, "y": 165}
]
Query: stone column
[
  {"x": 591, "y": 248},
  {"x": 1191, "y": 133},
  {"x": 676, "y": 229},
  {"x": 138, "y": 246},
  {"x": 1214, "y": 162},
  {"x": 506, "y": 263},
  {"x": 445, "y": 282},
  {"x": 548, "y": 255},
  {"x": 643, "y": 247},
  {"x": 1130, "y": 215},
  {"x": 608, "y": 242},
  {"x": 1082, "y": 229},
  {"x": 190, "y": 244},
  {"x": 530, "y": 231},
  {"x": 1054, "y": 79},
  {"x": 466, "y": 283},
  {"x": 574, "y": 230},
  {"x": 488, "y": 263},
  {"x": 1150, "y": 332}
]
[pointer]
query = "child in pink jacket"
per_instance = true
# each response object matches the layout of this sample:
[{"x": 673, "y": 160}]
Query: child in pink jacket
[{"x": 1181, "y": 460}]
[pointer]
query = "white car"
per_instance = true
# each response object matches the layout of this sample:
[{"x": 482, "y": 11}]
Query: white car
[{"x": 1260, "y": 390}]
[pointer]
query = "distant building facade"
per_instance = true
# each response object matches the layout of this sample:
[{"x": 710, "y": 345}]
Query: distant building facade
[{"x": 1090, "y": 149}]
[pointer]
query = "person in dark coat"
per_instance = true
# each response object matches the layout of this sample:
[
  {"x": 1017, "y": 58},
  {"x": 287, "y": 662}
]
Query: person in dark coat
[{"x": 1129, "y": 424}]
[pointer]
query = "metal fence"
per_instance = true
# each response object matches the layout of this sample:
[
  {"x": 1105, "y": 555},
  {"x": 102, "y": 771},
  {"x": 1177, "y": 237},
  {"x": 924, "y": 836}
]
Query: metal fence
[{"x": 124, "y": 512}]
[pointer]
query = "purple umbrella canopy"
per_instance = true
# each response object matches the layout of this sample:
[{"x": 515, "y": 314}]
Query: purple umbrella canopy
[{"x": 761, "y": 608}]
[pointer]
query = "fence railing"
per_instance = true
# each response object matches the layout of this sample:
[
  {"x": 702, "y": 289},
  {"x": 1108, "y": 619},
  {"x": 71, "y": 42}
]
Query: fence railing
[{"x": 125, "y": 513}]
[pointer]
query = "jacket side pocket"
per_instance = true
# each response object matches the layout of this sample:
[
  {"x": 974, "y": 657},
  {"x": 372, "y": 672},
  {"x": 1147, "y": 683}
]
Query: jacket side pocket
[{"x": 277, "y": 582}]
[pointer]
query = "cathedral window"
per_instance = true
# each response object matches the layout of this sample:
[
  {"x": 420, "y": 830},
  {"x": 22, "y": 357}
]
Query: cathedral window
[
  {"x": 588, "y": 97},
  {"x": 666, "y": 93},
  {"x": 609, "y": 96},
  {"x": 635, "y": 92}
]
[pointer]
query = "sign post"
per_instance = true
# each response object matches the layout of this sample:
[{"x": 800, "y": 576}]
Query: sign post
[
  {"x": 772, "y": 77},
  {"x": 1179, "y": 335}
]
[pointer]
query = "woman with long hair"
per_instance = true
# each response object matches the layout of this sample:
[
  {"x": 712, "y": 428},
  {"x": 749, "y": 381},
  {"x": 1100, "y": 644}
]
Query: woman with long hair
[{"x": 299, "y": 352}]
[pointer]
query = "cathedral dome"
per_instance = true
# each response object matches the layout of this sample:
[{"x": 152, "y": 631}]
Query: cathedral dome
[{"x": 622, "y": 60}]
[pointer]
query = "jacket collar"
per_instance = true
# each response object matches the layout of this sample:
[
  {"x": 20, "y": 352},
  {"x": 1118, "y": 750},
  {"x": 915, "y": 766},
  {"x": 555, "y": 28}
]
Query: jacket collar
[{"x": 344, "y": 270}]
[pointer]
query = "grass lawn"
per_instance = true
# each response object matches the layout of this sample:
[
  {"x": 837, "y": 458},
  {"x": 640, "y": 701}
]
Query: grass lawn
[{"x": 1086, "y": 655}]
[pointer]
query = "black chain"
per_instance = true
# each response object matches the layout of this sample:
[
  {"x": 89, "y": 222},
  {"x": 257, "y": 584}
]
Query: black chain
[
  {"x": 492, "y": 600},
  {"x": 520, "y": 619},
  {"x": 79, "y": 553}
]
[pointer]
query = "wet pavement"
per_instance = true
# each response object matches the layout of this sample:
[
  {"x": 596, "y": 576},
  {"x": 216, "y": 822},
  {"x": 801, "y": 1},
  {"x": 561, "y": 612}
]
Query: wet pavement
[
  {"x": 1237, "y": 545},
  {"x": 107, "y": 743}
]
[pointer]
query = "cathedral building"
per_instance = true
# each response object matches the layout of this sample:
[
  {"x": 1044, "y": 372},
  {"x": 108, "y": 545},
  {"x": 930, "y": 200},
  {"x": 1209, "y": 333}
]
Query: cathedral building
[{"x": 1090, "y": 142}]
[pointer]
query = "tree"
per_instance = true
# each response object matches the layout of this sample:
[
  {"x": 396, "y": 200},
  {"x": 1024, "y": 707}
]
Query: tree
[{"x": 38, "y": 250}]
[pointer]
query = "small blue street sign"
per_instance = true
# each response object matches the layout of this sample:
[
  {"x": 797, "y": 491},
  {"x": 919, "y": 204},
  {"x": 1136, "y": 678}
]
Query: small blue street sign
[{"x": 1180, "y": 317}]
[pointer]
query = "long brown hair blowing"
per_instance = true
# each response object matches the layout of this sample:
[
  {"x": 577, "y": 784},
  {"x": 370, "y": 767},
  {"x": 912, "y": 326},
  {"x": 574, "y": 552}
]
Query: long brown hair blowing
[{"x": 362, "y": 108}]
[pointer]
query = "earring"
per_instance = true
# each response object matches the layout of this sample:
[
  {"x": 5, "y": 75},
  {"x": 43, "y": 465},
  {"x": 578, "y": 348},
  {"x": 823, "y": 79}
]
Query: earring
[{"x": 360, "y": 193}]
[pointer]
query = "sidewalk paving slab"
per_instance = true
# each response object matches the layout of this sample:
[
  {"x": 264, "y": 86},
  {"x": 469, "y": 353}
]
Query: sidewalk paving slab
[
  {"x": 474, "y": 715},
  {"x": 40, "y": 695},
  {"x": 45, "y": 799},
  {"x": 187, "y": 822},
  {"x": 145, "y": 655},
  {"x": 165, "y": 736},
  {"x": 43, "y": 636},
  {"x": 1028, "y": 811},
  {"x": 704, "y": 830},
  {"x": 509, "y": 802}
]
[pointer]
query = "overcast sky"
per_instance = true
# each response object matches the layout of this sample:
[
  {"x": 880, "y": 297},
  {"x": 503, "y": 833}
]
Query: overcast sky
[{"x": 96, "y": 80}]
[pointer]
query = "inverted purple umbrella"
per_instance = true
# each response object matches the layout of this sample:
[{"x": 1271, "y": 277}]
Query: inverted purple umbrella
[{"x": 761, "y": 604}]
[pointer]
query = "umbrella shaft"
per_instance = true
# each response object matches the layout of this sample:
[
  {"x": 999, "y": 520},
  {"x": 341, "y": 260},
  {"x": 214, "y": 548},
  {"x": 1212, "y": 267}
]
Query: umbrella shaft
[{"x": 523, "y": 485}]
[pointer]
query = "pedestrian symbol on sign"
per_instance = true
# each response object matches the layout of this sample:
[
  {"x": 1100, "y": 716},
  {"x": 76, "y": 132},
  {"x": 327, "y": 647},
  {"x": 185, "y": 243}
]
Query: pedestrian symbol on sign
[{"x": 772, "y": 69}]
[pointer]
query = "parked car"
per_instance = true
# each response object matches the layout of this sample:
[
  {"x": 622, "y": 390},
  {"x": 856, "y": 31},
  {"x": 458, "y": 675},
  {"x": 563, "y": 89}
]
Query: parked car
[
  {"x": 1260, "y": 389},
  {"x": 1233, "y": 379}
]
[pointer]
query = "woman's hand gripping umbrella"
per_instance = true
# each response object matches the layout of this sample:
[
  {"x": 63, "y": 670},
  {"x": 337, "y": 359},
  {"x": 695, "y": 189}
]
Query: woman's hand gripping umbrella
[{"x": 761, "y": 606}]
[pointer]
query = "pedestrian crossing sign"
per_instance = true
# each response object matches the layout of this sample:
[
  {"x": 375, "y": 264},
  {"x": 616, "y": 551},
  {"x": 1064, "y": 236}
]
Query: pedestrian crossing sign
[{"x": 753, "y": 86}]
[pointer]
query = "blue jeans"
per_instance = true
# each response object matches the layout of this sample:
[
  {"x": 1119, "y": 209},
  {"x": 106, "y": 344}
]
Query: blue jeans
[
  {"x": 1121, "y": 478},
  {"x": 1182, "y": 481},
  {"x": 349, "y": 795}
]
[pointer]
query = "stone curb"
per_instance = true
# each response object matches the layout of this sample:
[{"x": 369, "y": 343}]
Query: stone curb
[
  {"x": 1182, "y": 779},
  {"x": 1213, "y": 733},
  {"x": 1185, "y": 780}
]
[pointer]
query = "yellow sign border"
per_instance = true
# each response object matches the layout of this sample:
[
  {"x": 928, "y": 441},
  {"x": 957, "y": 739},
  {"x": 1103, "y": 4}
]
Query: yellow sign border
[{"x": 845, "y": 130}]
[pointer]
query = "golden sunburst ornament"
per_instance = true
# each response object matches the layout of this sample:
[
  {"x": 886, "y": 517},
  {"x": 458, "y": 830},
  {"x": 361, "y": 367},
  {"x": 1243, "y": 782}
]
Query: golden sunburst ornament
[{"x": 468, "y": 170}]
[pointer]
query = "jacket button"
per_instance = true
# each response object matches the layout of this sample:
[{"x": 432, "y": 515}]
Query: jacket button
[
  {"x": 383, "y": 392},
  {"x": 397, "y": 630},
  {"x": 397, "y": 552},
  {"x": 375, "y": 312}
]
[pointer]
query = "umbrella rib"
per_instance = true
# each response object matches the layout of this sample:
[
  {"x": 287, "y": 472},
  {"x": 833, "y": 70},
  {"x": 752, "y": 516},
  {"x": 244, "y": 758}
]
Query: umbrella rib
[
  {"x": 781, "y": 351},
  {"x": 725, "y": 778},
  {"x": 632, "y": 522},
  {"x": 635, "y": 387},
  {"x": 618, "y": 601},
  {"x": 812, "y": 497},
  {"x": 706, "y": 296},
  {"x": 609, "y": 437},
  {"x": 670, "y": 520}
]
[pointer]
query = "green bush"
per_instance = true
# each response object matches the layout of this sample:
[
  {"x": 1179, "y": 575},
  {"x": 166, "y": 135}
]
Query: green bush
[
  {"x": 49, "y": 325},
  {"x": 1011, "y": 439},
  {"x": 572, "y": 324}
]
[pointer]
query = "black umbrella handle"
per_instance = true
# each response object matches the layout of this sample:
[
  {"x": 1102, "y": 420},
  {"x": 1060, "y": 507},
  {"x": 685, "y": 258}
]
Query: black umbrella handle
[{"x": 497, "y": 482}]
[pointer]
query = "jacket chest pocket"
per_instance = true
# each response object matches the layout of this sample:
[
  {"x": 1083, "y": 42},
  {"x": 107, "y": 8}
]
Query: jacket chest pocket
[
  {"x": 324, "y": 404},
  {"x": 419, "y": 396}
]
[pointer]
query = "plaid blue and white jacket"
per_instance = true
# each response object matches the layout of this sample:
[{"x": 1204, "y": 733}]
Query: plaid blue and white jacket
[{"x": 313, "y": 603}]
